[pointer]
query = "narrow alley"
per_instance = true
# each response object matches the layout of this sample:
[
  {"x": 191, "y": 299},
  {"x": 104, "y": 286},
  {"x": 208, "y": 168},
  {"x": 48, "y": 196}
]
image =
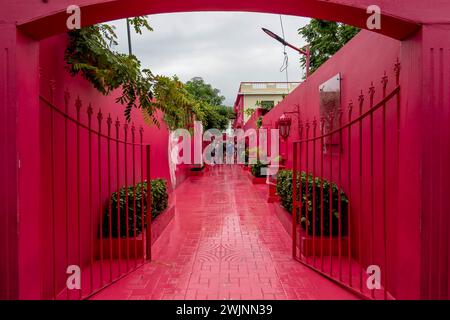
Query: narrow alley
[{"x": 223, "y": 243}]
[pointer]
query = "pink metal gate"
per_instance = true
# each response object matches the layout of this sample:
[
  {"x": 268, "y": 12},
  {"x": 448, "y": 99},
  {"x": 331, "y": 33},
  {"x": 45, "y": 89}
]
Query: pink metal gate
[
  {"x": 93, "y": 168},
  {"x": 344, "y": 188}
]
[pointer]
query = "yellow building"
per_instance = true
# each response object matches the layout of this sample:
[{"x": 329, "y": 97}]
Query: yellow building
[{"x": 252, "y": 95}]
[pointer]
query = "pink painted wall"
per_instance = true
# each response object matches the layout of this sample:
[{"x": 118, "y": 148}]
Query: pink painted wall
[
  {"x": 239, "y": 111},
  {"x": 251, "y": 122},
  {"x": 357, "y": 72}
]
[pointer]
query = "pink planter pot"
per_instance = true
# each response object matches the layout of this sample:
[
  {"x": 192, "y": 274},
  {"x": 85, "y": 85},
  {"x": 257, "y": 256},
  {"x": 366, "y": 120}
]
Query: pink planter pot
[
  {"x": 311, "y": 246},
  {"x": 256, "y": 180},
  {"x": 196, "y": 173},
  {"x": 315, "y": 247}
]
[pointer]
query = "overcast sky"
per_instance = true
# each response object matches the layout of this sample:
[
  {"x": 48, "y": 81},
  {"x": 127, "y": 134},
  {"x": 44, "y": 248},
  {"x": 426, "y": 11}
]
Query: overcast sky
[{"x": 224, "y": 48}]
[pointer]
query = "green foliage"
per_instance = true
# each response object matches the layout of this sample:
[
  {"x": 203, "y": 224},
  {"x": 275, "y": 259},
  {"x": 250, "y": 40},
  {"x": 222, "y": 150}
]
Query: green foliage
[
  {"x": 284, "y": 190},
  {"x": 249, "y": 112},
  {"x": 256, "y": 169},
  {"x": 325, "y": 39},
  {"x": 89, "y": 53},
  {"x": 138, "y": 193},
  {"x": 259, "y": 122},
  {"x": 140, "y": 23},
  {"x": 266, "y": 106},
  {"x": 174, "y": 100},
  {"x": 216, "y": 116},
  {"x": 204, "y": 92}
]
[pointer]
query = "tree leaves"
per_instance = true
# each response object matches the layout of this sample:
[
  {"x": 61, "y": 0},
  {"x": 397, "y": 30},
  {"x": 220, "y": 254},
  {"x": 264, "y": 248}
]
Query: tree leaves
[
  {"x": 89, "y": 53},
  {"x": 325, "y": 38}
]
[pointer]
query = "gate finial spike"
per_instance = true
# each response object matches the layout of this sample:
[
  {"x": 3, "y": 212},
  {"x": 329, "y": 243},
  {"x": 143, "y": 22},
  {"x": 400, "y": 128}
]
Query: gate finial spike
[
  {"x": 90, "y": 110},
  {"x": 78, "y": 104},
  {"x": 361, "y": 101},
  {"x": 397, "y": 70},
  {"x": 384, "y": 80},
  {"x": 372, "y": 90},
  {"x": 100, "y": 115}
]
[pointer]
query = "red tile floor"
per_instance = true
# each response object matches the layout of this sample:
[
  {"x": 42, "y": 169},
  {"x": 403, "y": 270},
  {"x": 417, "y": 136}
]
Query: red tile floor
[{"x": 223, "y": 243}]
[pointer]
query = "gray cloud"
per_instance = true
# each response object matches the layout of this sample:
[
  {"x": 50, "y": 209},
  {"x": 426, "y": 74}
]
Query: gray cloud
[{"x": 224, "y": 48}]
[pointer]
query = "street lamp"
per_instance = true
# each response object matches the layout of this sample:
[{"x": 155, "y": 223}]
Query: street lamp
[
  {"x": 306, "y": 52},
  {"x": 297, "y": 114},
  {"x": 284, "y": 125}
]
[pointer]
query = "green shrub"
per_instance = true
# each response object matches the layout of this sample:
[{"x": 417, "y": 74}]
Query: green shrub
[
  {"x": 256, "y": 169},
  {"x": 259, "y": 122},
  {"x": 159, "y": 204},
  {"x": 284, "y": 190}
]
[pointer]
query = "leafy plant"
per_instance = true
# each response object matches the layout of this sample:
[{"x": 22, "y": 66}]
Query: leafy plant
[
  {"x": 89, "y": 53},
  {"x": 265, "y": 106},
  {"x": 204, "y": 92},
  {"x": 249, "y": 112},
  {"x": 174, "y": 100},
  {"x": 137, "y": 196},
  {"x": 315, "y": 194},
  {"x": 259, "y": 122},
  {"x": 325, "y": 38},
  {"x": 256, "y": 169},
  {"x": 216, "y": 115}
]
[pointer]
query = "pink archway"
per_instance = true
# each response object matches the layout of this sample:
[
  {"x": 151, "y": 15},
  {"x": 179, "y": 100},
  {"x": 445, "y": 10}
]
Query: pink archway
[
  {"x": 397, "y": 23},
  {"x": 422, "y": 26}
]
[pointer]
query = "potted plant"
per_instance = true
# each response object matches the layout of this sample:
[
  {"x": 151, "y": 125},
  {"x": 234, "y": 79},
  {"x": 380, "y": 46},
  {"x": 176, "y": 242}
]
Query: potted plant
[
  {"x": 316, "y": 224},
  {"x": 121, "y": 237}
]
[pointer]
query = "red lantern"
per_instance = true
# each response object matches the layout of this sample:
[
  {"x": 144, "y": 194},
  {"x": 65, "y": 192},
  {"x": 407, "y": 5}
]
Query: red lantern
[{"x": 284, "y": 125}]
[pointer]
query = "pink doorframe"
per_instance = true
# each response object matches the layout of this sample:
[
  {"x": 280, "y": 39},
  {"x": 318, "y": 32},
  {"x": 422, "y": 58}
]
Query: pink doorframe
[{"x": 425, "y": 114}]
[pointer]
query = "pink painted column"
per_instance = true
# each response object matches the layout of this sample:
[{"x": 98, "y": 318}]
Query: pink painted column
[
  {"x": 435, "y": 171},
  {"x": 422, "y": 242},
  {"x": 19, "y": 165}
]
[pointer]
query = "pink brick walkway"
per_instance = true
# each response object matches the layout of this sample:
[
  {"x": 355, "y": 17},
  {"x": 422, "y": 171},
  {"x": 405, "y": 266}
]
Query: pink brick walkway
[{"x": 223, "y": 243}]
